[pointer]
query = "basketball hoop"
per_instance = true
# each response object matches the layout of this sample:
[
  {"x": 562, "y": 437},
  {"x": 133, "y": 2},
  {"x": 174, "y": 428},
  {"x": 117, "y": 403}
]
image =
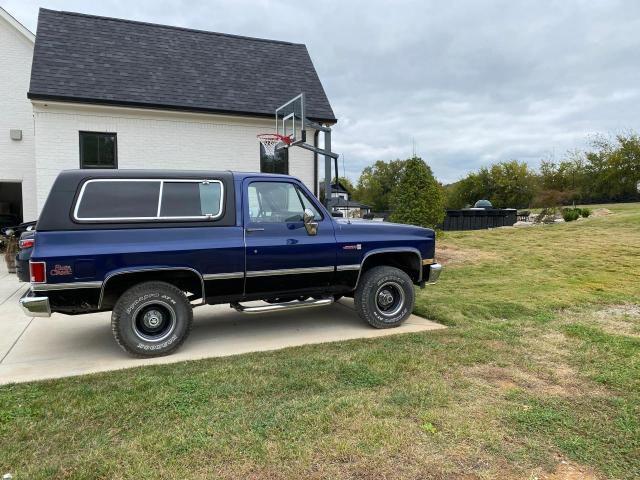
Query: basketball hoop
[{"x": 270, "y": 141}]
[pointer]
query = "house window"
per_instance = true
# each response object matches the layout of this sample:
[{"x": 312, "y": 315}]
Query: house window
[
  {"x": 276, "y": 164},
  {"x": 98, "y": 150}
]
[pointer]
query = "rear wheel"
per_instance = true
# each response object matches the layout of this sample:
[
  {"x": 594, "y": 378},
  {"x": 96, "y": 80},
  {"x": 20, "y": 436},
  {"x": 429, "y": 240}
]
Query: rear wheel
[
  {"x": 151, "y": 319},
  {"x": 384, "y": 297}
]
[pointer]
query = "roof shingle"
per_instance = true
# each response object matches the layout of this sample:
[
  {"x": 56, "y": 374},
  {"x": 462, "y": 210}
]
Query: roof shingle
[{"x": 86, "y": 58}]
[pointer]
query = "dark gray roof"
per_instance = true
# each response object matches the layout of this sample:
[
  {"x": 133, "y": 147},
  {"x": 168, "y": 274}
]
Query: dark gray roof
[
  {"x": 338, "y": 188},
  {"x": 86, "y": 58}
]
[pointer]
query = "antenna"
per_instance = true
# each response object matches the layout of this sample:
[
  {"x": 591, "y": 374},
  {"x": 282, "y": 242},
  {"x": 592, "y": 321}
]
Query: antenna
[{"x": 344, "y": 171}]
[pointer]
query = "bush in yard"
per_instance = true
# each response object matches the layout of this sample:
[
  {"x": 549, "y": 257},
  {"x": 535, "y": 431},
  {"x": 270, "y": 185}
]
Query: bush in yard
[
  {"x": 570, "y": 214},
  {"x": 585, "y": 213},
  {"x": 418, "y": 199}
]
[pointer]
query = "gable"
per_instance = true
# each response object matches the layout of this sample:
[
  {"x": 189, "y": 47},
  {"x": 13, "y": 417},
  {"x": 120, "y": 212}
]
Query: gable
[{"x": 16, "y": 25}]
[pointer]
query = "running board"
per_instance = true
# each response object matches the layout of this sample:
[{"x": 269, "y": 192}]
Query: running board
[{"x": 278, "y": 307}]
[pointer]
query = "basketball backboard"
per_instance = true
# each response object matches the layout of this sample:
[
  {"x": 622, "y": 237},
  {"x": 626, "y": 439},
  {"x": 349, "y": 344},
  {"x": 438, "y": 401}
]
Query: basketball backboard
[{"x": 290, "y": 121}]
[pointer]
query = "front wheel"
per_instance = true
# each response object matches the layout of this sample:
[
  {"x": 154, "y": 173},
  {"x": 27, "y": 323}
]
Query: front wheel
[
  {"x": 384, "y": 297},
  {"x": 151, "y": 319}
]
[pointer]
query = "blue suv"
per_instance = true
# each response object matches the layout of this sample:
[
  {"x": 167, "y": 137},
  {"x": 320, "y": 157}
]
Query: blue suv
[{"x": 150, "y": 245}]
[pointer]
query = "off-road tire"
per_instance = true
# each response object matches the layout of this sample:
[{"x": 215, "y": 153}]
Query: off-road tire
[
  {"x": 169, "y": 299},
  {"x": 372, "y": 285}
]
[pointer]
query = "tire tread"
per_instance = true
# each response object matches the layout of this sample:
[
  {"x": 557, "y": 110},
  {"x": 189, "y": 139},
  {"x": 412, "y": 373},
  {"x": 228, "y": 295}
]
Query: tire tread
[
  {"x": 364, "y": 286},
  {"x": 116, "y": 316}
]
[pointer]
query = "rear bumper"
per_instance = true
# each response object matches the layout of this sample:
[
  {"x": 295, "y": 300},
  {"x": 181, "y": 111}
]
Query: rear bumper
[
  {"x": 34, "y": 306},
  {"x": 434, "y": 273}
]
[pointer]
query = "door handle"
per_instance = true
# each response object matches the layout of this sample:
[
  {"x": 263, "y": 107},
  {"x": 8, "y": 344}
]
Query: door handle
[{"x": 255, "y": 229}]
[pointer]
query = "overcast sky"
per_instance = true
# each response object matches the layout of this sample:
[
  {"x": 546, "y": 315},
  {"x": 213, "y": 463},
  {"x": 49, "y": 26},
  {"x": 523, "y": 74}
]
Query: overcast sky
[{"x": 470, "y": 82}]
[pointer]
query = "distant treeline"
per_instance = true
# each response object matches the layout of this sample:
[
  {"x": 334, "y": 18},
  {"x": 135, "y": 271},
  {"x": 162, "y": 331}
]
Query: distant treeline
[{"x": 608, "y": 172}]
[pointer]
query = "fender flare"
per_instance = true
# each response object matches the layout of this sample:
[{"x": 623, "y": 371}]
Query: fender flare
[
  {"x": 126, "y": 271},
  {"x": 378, "y": 251}
]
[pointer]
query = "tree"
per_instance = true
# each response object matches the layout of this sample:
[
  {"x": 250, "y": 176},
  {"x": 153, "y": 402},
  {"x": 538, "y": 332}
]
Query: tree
[
  {"x": 506, "y": 184},
  {"x": 418, "y": 199},
  {"x": 346, "y": 183},
  {"x": 377, "y": 182},
  {"x": 613, "y": 169},
  {"x": 514, "y": 185},
  {"x": 607, "y": 172}
]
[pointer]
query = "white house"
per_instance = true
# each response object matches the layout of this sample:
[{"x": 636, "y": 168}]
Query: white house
[
  {"x": 340, "y": 203},
  {"x": 17, "y": 162},
  {"x": 112, "y": 93}
]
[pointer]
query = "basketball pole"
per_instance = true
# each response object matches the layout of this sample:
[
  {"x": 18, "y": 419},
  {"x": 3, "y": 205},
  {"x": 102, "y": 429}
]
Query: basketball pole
[
  {"x": 290, "y": 112},
  {"x": 328, "y": 155},
  {"x": 327, "y": 169}
]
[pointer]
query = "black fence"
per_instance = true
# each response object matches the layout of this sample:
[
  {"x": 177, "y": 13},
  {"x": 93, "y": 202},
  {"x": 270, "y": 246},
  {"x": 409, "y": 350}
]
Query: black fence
[{"x": 479, "y": 219}]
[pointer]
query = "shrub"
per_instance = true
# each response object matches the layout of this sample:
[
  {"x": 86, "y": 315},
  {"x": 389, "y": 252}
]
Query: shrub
[
  {"x": 418, "y": 199},
  {"x": 570, "y": 214},
  {"x": 585, "y": 213}
]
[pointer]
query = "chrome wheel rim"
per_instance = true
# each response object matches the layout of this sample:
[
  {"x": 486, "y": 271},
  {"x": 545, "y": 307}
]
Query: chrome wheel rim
[
  {"x": 154, "y": 321},
  {"x": 389, "y": 299}
]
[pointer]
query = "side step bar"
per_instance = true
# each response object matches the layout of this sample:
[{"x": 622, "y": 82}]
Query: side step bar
[{"x": 278, "y": 307}]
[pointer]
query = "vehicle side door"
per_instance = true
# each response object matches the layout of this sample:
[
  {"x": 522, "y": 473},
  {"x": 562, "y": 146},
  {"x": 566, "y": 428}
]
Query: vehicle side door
[{"x": 282, "y": 257}]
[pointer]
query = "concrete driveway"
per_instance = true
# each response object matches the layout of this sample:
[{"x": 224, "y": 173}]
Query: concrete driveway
[{"x": 60, "y": 346}]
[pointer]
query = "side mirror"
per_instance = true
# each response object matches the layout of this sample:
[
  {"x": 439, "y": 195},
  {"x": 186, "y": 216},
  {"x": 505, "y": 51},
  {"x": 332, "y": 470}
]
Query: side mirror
[{"x": 309, "y": 224}]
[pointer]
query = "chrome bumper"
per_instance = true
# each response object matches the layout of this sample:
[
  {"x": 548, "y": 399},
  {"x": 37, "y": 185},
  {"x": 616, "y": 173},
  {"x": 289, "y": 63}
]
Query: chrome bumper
[
  {"x": 434, "y": 273},
  {"x": 33, "y": 306}
]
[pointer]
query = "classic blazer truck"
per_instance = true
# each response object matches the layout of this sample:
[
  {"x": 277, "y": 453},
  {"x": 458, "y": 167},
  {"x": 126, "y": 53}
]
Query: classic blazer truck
[{"x": 150, "y": 245}]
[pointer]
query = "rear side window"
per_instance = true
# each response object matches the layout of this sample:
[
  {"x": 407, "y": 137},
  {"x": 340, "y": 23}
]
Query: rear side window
[
  {"x": 133, "y": 199},
  {"x": 117, "y": 199},
  {"x": 189, "y": 199}
]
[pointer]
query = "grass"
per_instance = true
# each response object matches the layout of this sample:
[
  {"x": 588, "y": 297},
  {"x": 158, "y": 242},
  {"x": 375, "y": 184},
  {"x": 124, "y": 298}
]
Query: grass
[{"x": 542, "y": 363}]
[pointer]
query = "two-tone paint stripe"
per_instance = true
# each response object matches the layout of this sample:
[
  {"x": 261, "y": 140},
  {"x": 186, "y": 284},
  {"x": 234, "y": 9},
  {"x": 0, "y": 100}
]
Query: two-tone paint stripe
[
  {"x": 289, "y": 271},
  {"x": 280, "y": 271},
  {"x": 209, "y": 276},
  {"x": 222, "y": 276}
]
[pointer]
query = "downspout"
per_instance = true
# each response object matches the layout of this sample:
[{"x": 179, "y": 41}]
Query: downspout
[{"x": 316, "y": 135}]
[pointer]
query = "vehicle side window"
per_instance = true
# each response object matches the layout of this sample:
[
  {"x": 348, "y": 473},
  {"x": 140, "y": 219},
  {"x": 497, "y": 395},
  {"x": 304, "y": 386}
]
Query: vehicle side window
[
  {"x": 143, "y": 200},
  {"x": 274, "y": 202},
  {"x": 190, "y": 199},
  {"x": 307, "y": 203},
  {"x": 115, "y": 199}
]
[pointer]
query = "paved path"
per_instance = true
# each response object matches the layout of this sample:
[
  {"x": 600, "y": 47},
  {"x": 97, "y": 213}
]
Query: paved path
[{"x": 40, "y": 348}]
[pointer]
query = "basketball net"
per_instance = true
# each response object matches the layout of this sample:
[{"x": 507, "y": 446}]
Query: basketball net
[{"x": 271, "y": 141}]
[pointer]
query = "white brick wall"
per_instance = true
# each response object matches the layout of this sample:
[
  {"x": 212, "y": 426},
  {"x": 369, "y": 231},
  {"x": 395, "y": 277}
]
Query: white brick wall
[
  {"x": 16, "y": 157},
  {"x": 154, "y": 139}
]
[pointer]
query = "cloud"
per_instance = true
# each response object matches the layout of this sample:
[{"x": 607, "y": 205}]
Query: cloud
[{"x": 469, "y": 82}]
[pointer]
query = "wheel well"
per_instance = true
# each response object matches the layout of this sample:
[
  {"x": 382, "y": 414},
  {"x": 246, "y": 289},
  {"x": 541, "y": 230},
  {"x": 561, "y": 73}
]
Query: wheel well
[
  {"x": 185, "y": 280},
  {"x": 408, "y": 262}
]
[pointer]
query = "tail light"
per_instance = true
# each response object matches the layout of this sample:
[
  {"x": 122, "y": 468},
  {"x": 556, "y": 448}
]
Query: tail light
[
  {"x": 27, "y": 243},
  {"x": 38, "y": 272}
]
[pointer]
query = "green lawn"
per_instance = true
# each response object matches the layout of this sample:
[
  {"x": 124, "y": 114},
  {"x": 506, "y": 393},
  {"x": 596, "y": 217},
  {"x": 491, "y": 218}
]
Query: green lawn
[{"x": 541, "y": 364}]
